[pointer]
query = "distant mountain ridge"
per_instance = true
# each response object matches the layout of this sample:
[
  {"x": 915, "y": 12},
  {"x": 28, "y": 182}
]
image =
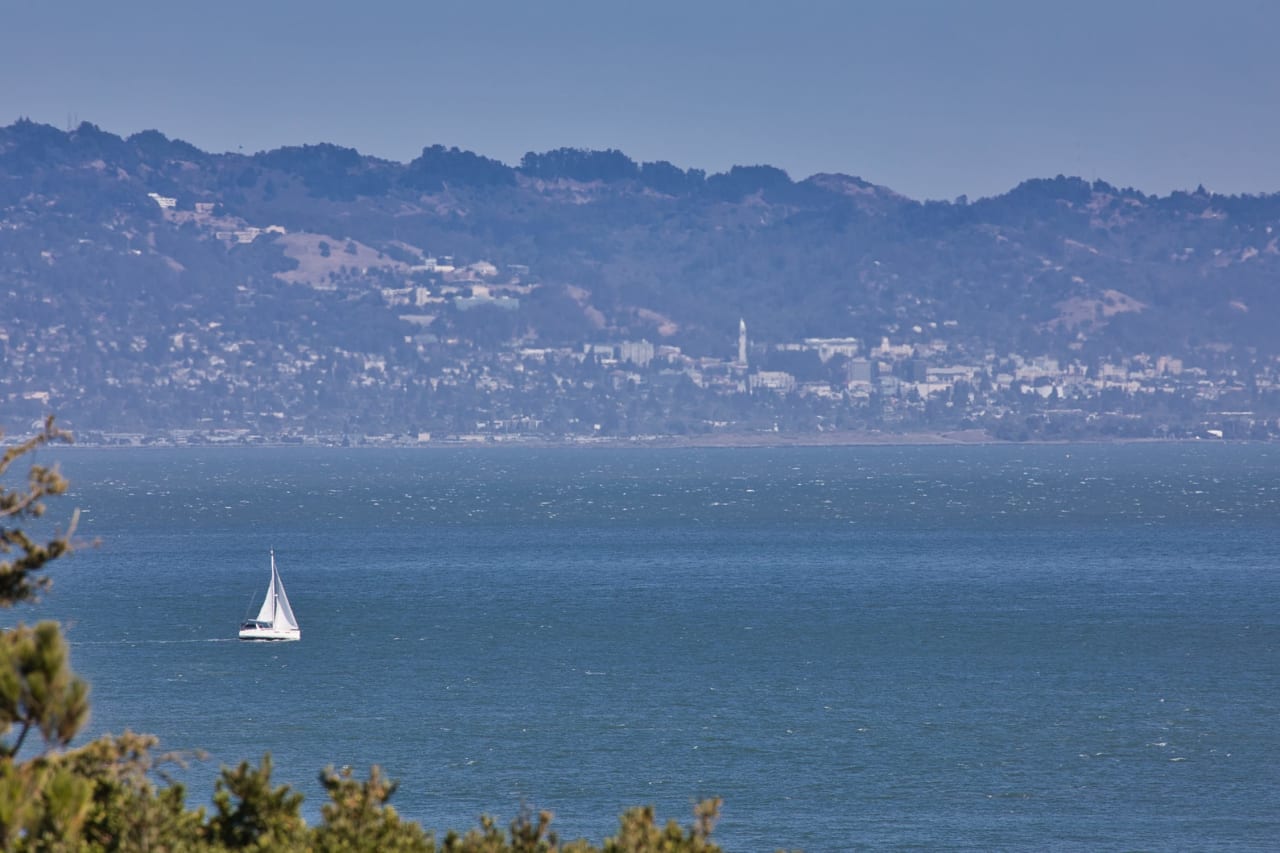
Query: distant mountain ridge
[{"x": 112, "y": 248}]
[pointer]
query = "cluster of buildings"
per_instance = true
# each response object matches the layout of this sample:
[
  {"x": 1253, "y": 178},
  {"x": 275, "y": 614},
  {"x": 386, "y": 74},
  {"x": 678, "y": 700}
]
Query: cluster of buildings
[{"x": 205, "y": 381}]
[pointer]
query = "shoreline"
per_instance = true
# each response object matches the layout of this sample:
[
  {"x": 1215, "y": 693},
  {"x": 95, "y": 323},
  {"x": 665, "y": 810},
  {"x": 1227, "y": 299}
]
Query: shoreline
[{"x": 945, "y": 438}]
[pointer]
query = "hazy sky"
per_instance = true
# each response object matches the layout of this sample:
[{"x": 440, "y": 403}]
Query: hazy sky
[{"x": 933, "y": 99}]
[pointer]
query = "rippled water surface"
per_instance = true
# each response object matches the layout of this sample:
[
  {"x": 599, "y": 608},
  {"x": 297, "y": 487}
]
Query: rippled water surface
[{"x": 940, "y": 647}]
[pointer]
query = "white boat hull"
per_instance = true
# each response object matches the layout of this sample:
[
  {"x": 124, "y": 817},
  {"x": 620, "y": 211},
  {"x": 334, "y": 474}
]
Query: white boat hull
[{"x": 270, "y": 634}]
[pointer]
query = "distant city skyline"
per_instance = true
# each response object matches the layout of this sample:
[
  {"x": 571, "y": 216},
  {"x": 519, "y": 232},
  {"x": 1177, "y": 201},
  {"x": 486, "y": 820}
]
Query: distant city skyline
[{"x": 932, "y": 99}]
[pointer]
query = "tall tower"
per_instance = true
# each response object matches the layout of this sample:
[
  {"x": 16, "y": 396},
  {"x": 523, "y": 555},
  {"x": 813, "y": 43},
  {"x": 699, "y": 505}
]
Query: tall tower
[{"x": 742, "y": 342}]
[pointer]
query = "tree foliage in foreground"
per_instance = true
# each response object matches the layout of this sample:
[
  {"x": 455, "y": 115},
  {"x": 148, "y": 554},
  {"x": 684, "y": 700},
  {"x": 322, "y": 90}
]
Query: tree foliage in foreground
[{"x": 112, "y": 794}]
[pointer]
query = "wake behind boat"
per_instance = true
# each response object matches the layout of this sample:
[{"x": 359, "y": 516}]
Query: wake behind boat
[{"x": 275, "y": 620}]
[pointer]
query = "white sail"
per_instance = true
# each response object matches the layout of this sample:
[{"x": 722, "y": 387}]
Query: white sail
[
  {"x": 267, "y": 613},
  {"x": 284, "y": 613}
]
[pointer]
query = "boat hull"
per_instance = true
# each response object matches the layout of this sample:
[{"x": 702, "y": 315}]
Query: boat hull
[{"x": 270, "y": 634}]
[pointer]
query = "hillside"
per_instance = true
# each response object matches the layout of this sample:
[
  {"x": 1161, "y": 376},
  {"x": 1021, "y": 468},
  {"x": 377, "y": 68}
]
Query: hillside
[{"x": 147, "y": 284}]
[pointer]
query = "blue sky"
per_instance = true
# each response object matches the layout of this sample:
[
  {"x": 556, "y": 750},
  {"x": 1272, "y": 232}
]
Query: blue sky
[{"x": 933, "y": 99}]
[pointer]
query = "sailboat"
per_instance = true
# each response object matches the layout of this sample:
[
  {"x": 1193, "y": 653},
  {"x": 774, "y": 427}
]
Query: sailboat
[{"x": 275, "y": 620}]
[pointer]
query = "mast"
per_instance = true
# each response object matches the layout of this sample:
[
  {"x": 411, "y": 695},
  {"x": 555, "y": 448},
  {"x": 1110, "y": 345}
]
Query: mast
[{"x": 275, "y": 588}]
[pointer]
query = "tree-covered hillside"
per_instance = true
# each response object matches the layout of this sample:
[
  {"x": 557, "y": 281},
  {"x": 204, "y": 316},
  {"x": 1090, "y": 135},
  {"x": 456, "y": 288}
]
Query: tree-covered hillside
[{"x": 119, "y": 255}]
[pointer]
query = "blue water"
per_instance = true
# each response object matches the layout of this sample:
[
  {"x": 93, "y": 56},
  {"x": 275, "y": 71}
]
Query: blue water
[{"x": 931, "y": 647}]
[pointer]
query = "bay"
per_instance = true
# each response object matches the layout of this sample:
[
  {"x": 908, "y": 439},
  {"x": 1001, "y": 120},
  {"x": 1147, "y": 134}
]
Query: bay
[{"x": 1003, "y": 647}]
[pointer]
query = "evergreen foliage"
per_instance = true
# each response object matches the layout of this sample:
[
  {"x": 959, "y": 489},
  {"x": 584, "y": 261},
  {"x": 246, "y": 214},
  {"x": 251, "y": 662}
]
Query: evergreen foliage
[
  {"x": 579, "y": 165},
  {"x": 438, "y": 166},
  {"x": 18, "y": 581}
]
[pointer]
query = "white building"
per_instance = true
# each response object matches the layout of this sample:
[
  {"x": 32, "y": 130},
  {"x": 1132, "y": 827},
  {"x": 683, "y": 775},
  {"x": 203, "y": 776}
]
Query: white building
[
  {"x": 828, "y": 348},
  {"x": 772, "y": 380},
  {"x": 639, "y": 353}
]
